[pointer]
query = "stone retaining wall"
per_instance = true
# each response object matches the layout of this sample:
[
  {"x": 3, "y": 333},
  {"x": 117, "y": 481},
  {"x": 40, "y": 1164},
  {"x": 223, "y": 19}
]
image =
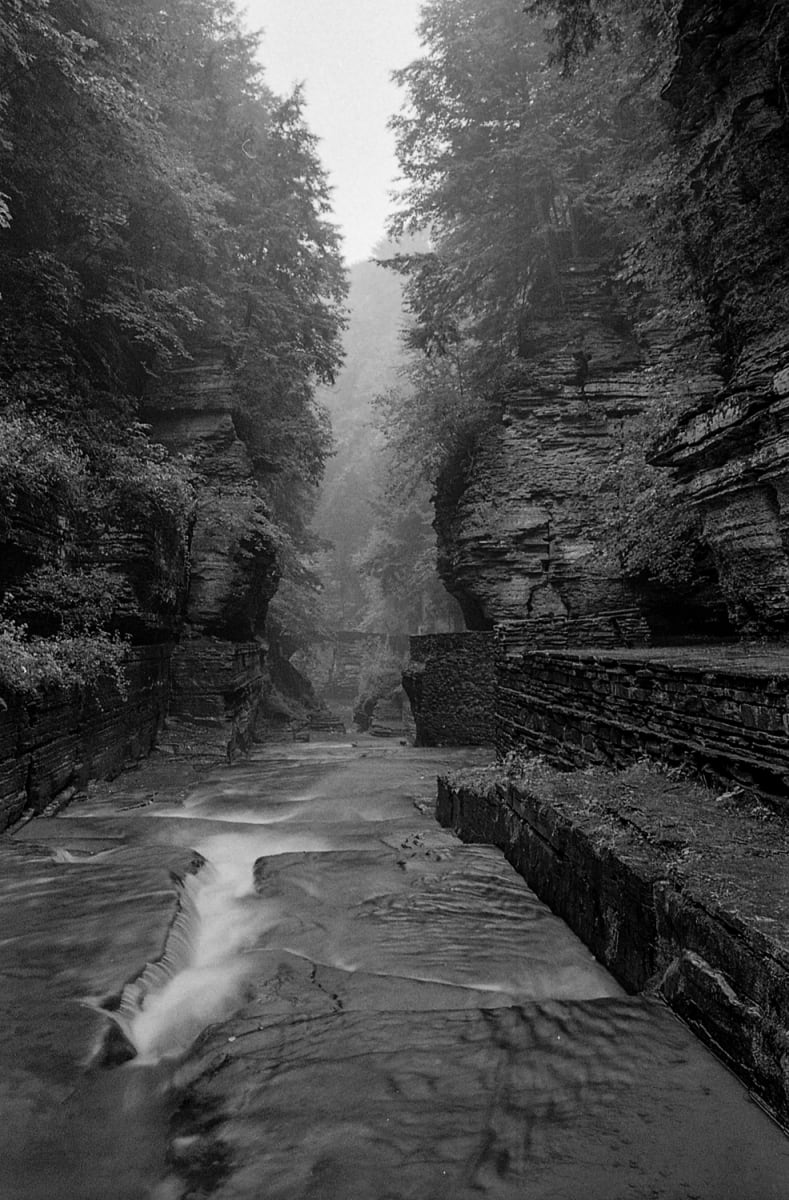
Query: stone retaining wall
[
  {"x": 451, "y": 684},
  {"x": 621, "y": 627},
  {"x": 724, "y": 711},
  {"x": 451, "y": 677},
  {"x": 52, "y": 744},
  {"x": 647, "y": 879}
]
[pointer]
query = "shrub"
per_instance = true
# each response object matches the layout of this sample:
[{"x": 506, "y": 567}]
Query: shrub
[
  {"x": 141, "y": 476},
  {"x": 28, "y": 665},
  {"x": 61, "y": 600},
  {"x": 37, "y": 460}
]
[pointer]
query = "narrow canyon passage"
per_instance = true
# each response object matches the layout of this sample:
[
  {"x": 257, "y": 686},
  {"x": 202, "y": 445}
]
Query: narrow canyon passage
[{"x": 342, "y": 1002}]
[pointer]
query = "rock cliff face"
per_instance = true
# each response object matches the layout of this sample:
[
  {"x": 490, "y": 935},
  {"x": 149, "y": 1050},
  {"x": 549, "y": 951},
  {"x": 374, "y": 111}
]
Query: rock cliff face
[
  {"x": 732, "y": 460},
  {"x": 731, "y": 455},
  {"x": 516, "y": 527},
  {"x": 55, "y": 737},
  {"x": 720, "y": 711},
  {"x": 217, "y": 678},
  {"x": 50, "y": 746},
  {"x": 193, "y": 601}
]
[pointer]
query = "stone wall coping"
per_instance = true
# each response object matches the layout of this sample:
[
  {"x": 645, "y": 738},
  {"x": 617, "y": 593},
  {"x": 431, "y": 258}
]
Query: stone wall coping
[
  {"x": 448, "y": 641},
  {"x": 567, "y": 618},
  {"x": 741, "y": 660}
]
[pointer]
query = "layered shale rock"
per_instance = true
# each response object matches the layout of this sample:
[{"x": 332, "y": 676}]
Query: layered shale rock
[
  {"x": 217, "y": 677},
  {"x": 732, "y": 461},
  {"x": 731, "y": 454},
  {"x": 144, "y": 548},
  {"x": 721, "y": 710},
  {"x": 52, "y": 744},
  {"x": 517, "y": 527},
  {"x": 192, "y": 597}
]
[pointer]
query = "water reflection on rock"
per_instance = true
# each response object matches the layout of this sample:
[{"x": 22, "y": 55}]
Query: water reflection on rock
[{"x": 351, "y": 1004}]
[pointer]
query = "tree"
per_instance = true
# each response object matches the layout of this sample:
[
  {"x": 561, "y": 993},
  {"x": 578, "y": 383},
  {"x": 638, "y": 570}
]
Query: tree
[
  {"x": 504, "y": 164},
  {"x": 399, "y": 571},
  {"x": 533, "y": 134},
  {"x": 158, "y": 197},
  {"x": 434, "y": 415},
  {"x": 576, "y": 28}
]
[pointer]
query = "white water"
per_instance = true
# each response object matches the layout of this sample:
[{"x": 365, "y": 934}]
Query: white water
[{"x": 204, "y": 972}]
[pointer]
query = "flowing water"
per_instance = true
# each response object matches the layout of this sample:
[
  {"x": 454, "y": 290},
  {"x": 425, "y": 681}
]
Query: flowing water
[{"x": 356, "y": 1006}]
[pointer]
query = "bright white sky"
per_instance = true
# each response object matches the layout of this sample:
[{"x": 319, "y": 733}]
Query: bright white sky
[{"x": 344, "y": 52}]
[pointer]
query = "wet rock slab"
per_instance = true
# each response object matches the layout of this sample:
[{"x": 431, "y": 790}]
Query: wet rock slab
[
  {"x": 80, "y": 913},
  {"x": 419, "y": 1025},
  {"x": 403, "y": 1018},
  {"x": 605, "y": 1099},
  {"x": 677, "y": 890}
]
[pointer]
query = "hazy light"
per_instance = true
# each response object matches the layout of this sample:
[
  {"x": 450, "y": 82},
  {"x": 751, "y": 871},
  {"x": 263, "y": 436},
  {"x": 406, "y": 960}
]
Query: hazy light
[{"x": 344, "y": 52}]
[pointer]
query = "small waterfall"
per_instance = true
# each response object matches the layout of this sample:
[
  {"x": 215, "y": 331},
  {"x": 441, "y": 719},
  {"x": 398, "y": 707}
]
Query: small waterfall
[
  {"x": 204, "y": 969},
  {"x": 177, "y": 951}
]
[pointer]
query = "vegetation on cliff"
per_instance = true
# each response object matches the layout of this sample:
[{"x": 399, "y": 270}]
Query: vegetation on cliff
[
  {"x": 512, "y": 167},
  {"x": 722, "y": 195},
  {"x": 564, "y": 129},
  {"x": 157, "y": 197}
]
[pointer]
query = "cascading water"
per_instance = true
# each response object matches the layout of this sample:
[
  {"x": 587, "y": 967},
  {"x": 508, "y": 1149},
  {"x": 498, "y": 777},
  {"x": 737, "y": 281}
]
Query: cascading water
[{"x": 207, "y": 960}]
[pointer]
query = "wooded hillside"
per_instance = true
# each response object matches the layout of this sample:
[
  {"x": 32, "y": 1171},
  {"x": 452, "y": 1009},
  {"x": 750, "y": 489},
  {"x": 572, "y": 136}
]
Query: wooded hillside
[
  {"x": 157, "y": 198},
  {"x": 645, "y": 141}
]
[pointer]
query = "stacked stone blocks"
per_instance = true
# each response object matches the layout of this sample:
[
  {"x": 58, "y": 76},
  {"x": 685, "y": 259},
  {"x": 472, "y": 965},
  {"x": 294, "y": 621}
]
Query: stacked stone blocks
[{"x": 723, "y": 710}]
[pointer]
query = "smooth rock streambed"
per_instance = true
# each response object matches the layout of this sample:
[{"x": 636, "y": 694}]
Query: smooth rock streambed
[{"x": 341, "y": 1002}]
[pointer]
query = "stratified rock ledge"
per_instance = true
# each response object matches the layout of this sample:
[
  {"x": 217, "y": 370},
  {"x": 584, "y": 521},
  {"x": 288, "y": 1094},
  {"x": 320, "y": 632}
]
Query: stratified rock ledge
[{"x": 677, "y": 891}]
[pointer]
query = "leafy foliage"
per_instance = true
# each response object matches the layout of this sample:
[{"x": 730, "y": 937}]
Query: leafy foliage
[
  {"x": 512, "y": 170},
  {"x": 29, "y": 664},
  {"x": 63, "y": 600},
  {"x": 504, "y": 168},
  {"x": 156, "y": 196},
  {"x": 38, "y": 464},
  {"x": 69, "y": 611},
  {"x": 645, "y": 529},
  {"x": 435, "y": 415},
  {"x": 533, "y": 133},
  {"x": 576, "y": 28},
  {"x": 707, "y": 188},
  {"x": 398, "y": 569}
]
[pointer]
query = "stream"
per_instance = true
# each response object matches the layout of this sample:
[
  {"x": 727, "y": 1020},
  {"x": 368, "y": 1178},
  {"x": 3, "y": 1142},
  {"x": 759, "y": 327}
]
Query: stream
[{"x": 293, "y": 985}]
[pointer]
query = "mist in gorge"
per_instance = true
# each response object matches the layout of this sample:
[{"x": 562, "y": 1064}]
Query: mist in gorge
[
  {"x": 379, "y": 570},
  {"x": 394, "y": 600}
]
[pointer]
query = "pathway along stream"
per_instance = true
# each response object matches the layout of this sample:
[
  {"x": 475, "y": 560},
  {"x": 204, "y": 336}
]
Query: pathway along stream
[{"x": 388, "y": 1013}]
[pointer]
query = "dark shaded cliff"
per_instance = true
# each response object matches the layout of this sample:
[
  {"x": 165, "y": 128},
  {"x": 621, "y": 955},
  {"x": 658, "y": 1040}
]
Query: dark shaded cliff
[
  {"x": 171, "y": 277},
  {"x": 693, "y": 340},
  {"x": 190, "y": 593},
  {"x": 216, "y": 680},
  {"x": 520, "y": 520},
  {"x": 730, "y": 455}
]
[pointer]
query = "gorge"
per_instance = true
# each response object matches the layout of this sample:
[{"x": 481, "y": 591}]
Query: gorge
[{"x": 233, "y": 927}]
